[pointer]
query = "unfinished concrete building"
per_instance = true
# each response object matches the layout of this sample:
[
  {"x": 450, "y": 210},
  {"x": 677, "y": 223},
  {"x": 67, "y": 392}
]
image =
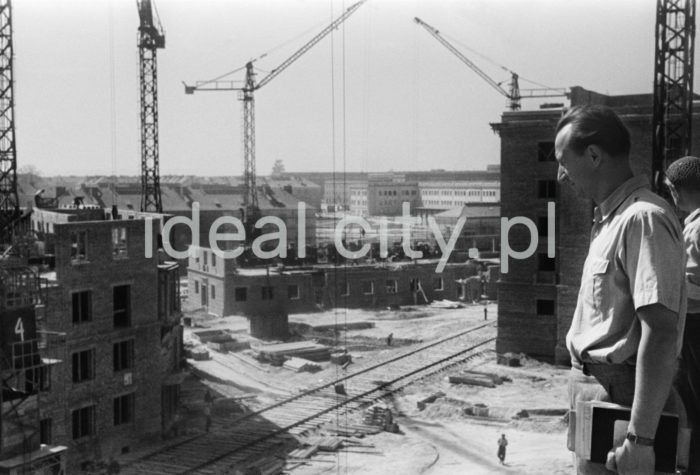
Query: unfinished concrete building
[
  {"x": 537, "y": 296},
  {"x": 113, "y": 308},
  {"x": 269, "y": 295}
]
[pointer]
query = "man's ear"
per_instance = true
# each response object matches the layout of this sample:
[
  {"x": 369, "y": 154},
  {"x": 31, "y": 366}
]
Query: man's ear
[
  {"x": 674, "y": 192},
  {"x": 595, "y": 155}
]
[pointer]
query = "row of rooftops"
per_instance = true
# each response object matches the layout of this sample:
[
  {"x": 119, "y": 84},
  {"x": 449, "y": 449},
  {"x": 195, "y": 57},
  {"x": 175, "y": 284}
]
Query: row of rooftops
[{"x": 175, "y": 197}]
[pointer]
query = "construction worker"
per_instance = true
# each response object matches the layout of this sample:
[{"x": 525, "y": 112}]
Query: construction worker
[
  {"x": 624, "y": 338},
  {"x": 683, "y": 181},
  {"x": 502, "y": 444}
]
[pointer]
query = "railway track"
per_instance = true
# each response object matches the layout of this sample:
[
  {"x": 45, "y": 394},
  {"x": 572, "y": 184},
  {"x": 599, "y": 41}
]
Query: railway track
[{"x": 272, "y": 428}]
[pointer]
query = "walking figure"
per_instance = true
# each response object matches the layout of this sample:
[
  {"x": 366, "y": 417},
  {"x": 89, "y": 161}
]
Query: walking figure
[
  {"x": 502, "y": 444},
  {"x": 389, "y": 339}
]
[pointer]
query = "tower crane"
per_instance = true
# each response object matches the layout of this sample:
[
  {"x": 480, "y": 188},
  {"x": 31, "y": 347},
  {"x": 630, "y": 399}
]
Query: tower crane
[
  {"x": 9, "y": 201},
  {"x": 246, "y": 94},
  {"x": 673, "y": 84},
  {"x": 150, "y": 39},
  {"x": 514, "y": 93}
]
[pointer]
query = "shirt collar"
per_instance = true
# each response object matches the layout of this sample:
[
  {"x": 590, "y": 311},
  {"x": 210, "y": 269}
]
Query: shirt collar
[
  {"x": 616, "y": 198},
  {"x": 692, "y": 217}
]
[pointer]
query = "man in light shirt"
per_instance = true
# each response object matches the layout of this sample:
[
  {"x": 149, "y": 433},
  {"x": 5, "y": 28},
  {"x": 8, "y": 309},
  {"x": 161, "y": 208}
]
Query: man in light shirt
[
  {"x": 683, "y": 180},
  {"x": 625, "y": 335}
]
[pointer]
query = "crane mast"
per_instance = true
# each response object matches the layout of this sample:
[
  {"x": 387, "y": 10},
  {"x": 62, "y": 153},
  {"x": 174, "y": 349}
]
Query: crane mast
[
  {"x": 673, "y": 84},
  {"x": 248, "y": 98},
  {"x": 513, "y": 95},
  {"x": 150, "y": 39},
  {"x": 9, "y": 201}
]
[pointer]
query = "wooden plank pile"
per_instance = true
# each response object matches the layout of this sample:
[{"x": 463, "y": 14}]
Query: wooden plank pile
[
  {"x": 477, "y": 378},
  {"x": 380, "y": 417},
  {"x": 343, "y": 326},
  {"x": 278, "y": 353},
  {"x": 300, "y": 364}
]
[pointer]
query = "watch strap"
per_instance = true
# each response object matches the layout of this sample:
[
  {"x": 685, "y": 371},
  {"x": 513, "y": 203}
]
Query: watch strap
[{"x": 637, "y": 440}]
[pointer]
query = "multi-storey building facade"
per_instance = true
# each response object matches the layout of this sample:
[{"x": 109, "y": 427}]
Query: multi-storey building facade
[
  {"x": 114, "y": 309},
  {"x": 442, "y": 195}
]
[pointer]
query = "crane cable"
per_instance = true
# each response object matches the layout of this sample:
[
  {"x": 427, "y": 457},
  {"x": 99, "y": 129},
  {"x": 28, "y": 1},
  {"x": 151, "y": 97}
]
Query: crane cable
[
  {"x": 495, "y": 63},
  {"x": 112, "y": 103}
]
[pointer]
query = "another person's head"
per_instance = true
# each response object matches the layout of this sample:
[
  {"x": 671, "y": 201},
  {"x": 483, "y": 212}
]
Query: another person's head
[
  {"x": 592, "y": 148},
  {"x": 683, "y": 180}
]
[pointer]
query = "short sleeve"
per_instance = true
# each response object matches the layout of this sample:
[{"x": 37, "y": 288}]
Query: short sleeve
[{"x": 654, "y": 259}]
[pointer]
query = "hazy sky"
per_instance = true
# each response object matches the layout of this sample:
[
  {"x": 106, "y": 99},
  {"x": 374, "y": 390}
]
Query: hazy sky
[{"x": 378, "y": 94}]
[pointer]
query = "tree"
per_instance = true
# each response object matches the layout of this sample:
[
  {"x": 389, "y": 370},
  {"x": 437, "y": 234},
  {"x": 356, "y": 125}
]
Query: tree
[{"x": 278, "y": 168}]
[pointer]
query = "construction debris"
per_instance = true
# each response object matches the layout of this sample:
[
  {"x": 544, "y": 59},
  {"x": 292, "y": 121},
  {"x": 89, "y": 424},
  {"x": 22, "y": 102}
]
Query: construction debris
[
  {"x": 341, "y": 358},
  {"x": 508, "y": 359},
  {"x": 429, "y": 400}
]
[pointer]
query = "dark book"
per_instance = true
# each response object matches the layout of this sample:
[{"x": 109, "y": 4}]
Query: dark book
[{"x": 597, "y": 433}]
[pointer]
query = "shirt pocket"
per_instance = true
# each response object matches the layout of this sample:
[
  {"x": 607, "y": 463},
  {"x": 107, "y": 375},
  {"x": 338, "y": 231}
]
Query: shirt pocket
[{"x": 598, "y": 269}]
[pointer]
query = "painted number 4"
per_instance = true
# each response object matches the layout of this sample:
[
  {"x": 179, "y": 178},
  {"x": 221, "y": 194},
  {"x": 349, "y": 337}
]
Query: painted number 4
[{"x": 19, "y": 329}]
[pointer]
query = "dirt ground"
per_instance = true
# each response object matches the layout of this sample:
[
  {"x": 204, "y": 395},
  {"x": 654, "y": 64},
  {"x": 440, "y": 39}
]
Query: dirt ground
[{"x": 442, "y": 438}]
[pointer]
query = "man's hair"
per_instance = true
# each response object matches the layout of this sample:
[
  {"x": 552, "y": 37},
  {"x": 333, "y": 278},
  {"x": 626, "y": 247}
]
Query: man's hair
[
  {"x": 685, "y": 173},
  {"x": 596, "y": 125}
]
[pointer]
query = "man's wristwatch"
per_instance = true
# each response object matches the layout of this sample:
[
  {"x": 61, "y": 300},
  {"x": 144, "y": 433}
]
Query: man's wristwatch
[{"x": 635, "y": 439}]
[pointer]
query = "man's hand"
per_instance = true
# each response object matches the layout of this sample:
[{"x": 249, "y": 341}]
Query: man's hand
[{"x": 631, "y": 459}]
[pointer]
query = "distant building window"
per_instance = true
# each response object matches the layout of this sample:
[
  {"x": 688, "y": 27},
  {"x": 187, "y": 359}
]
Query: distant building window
[
  {"x": 346, "y": 290},
  {"x": 545, "y": 152},
  {"x": 82, "y": 306},
  {"x": 240, "y": 294},
  {"x": 546, "y": 189},
  {"x": 121, "y": 305},
  {"x": 368, "y": 287},
  {"x": 438, "y": 283},
  {"x": 213, "y": 291},
  {"x": 268, "y": 292},
  {"x": 45, "y": 426},
  {"x": 83, "y": 422},
  {"x": 78, "y": 249},
  {"x": 83, "y": 365},
  {"x": 545, "y": 307},
  {"x": 124, "y": 409},
  {"x": 391, "y": 286},
  {"x": 213, "y": 259},
  {"x": 119, "y": 243},
  {"x": 196, "y": 286},
  {"x": 546, "y": 264},
  {"x": 293, "y": 292},
  {"x": 123, "y": 355}
]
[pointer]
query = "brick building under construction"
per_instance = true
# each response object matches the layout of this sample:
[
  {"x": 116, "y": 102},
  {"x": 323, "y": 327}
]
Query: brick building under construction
[
  {"x": 537, "y": 296},
  {"x": 109, "y": 335}
]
